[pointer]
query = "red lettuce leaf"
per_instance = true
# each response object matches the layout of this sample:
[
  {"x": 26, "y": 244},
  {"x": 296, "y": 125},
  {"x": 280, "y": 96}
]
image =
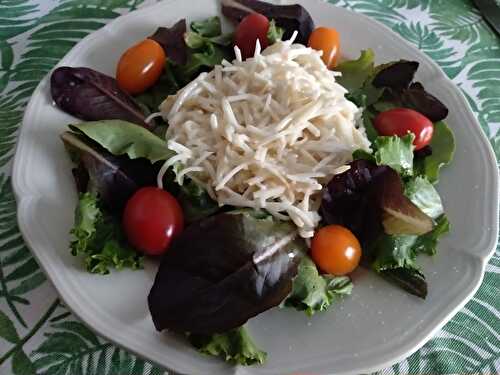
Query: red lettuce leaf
[
  {"x": 289, "y": 17},
  {"x": 396, "y": 75},
  {"x": 348, "y": 201},
  {"x": 172, "y": 41},
  {"x": 417, "y": 98},
  {"x": 113, "y": 178},
  {"x": 224, "y": 270},
  {"x": 92, "y": 96},
  {"x": 369, "y": 200},
  {"x": 397, "y": 79},
  {"x": 409, "y": 279},
  {"x": 423, "y": 152},
  {"x": 399, "y": 214}
]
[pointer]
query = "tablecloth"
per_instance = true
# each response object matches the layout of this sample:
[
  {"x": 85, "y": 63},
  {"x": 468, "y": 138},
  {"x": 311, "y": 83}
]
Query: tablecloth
[{"x": 38, "y": 335}]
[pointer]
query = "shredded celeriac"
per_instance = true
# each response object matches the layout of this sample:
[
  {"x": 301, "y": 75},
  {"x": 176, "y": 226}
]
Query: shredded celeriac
[{"x": 267, "y": 132}]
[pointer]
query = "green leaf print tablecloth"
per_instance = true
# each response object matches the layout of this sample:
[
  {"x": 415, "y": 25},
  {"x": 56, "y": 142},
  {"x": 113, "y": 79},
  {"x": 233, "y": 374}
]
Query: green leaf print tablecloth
[{"x": 38, "y": 335}]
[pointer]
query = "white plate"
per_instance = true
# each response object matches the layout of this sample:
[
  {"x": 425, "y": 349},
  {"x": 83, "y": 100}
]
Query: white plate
[{"x": 375, "y": 327}]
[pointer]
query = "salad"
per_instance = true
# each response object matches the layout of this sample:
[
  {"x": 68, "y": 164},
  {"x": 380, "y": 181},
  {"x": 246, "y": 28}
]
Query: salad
[{"x": 260, "y": 167}]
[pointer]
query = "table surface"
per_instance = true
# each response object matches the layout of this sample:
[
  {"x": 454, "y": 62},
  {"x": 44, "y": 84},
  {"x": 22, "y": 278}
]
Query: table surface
[{"x": 38, "y": 335}]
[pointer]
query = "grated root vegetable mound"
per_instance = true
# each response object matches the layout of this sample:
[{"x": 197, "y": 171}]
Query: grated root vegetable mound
[{"x": 267, "y": 132}]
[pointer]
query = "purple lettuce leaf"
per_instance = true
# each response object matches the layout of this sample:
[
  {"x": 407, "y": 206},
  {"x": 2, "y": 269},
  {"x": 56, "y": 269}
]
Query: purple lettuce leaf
[
  {"x": 369, "y": 200},
  {"x": 113, "y": 178},
  {"x": 399, "y": 89},
  {"x": 172, "y": 41},
  {"x": 289, "y": 17},
  {"x": 417, "y": 98},
  {"x": 223, "y": 270},
  {"x": 348, "y": 201},
  {"x": 397, "y": 75},
  {"x": 92, "y": 96}
]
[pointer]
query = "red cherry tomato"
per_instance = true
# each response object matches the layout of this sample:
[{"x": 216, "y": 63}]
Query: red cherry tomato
[
  {"x": 140, "y": 66},
  {"x": 152, "y": 217},
  {"x": 252, "y": 27},
  {"x": 401, "y": 121}
]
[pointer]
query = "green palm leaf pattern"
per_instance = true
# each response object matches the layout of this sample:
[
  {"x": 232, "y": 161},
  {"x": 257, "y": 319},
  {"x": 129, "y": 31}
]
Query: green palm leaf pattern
[
  {"x": 470, "y": 343},
  {"x": 430, "y": 43},
  {"x": 51, "y": 37},
  {"x": 457, "y": 20},
  {"x": 19, "y": 273},
  {"x": 48, "y": 42},
  {"x": 35, "y": 34},
  {"x": 21, "y": 364},
  {"x": 384, "y": 10},
  {"x": 406, "y": 4},
  {"x": 485, "y": 75},
  {"x": 15, "y": 19},
  {"x": 482, "y": 66},
  {"x": 10, "y": 116},
  {"x": 70, "y": 348},
  {"x": 481, "y": 116},
  {"x": 54, "y": 35}
]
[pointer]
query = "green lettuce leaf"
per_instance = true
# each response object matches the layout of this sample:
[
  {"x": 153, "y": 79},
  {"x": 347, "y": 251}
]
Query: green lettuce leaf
[
  {"x": 366, "y": 95},
  {"x": 425, "y": 196},
  {"x": 207, "y": 47},
  {"x": 361, "y": 154},
  {"x": 98, "y": 238},
  {"x": 208, "y": 27},
  {"x": 235, "y": 347},
  {"x": 368, "y": 117},
  {"x": 396, "y": 257},
  {"x": 427, "y": 243},
  {"x": 124, "y": 138},
  {"x": 274, "y": 33},
  {"x": 202, "y": 58},
  {"x": 356, "y": 72},
  {"x": 357, "y": 77},
  {"x": 443, "y": 150},
  {"x": 395, "y": 252},
  {"x": 396, "y": 262},
  {"x": 312, "y": 292},
  {"x": 195, "y": 202},
  {"x": 395, "y": 152},
  {"x": 382, "y": 106},
  {"x": 87, "y": 214},
  {"x": 196, "y": 41},
  {"x": 401, "y": 251},
  {"x": 166, "y": 85}
]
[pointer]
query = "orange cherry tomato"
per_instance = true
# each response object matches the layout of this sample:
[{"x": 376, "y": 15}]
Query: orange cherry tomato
[
  {"x": 140, "y": 66},
  {"x": 327, "y": 40},
  {"x": 335, "y": 250}
]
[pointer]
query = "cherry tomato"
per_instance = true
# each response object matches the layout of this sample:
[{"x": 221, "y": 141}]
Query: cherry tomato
[
  {"x": 335, "y": 250},
  {"x": 327, "y": 40},
  {"x": 401, "y": 121},
  {"x": 152, "y": 217},
  {"x": 140, "y": 66},
  {"x": 252, "y": 27}
]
